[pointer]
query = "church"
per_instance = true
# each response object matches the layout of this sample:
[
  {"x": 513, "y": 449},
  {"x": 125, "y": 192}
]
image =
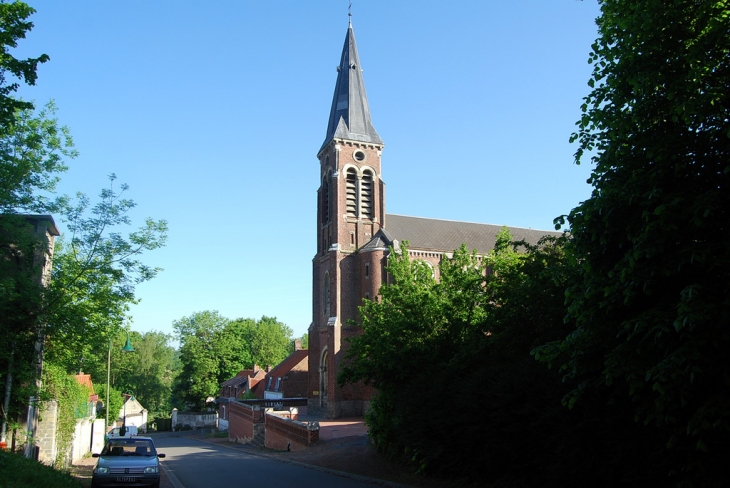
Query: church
[{"x": 355, "y": 234}]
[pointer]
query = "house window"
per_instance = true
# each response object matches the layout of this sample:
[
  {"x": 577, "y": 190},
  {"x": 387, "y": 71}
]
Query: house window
[
  {"x": 366, "y": 195},
  {"x": 367, "y": 270},
  {"x": 351, "y": 187},
  {"x": 278, "y": 384}
]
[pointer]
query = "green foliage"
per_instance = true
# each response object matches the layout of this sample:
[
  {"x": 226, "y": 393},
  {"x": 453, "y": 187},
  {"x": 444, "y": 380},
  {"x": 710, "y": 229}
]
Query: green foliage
[
  {"x": 14, "y": 25},
  {"x": 458, "y": 393},
  {"x": 31, "y": 156},
  {"x": 32, "y": 152},
  {"x": 652, "y": 302},
  {"x": 151, "y": 372},
  {"x": 116, "y": 401},
  {"x": 73, "y": 403},
  {"x": 469, "y": 334},
  {"x": 214, "y": 349},
  {"x": 269, "y": 342},
  {"x": 96, "y": 269},
  {"x": 198, "y": 378},
  {"x": 305, "y": 341},
  {"x": 18, "y": 472},
  {"x": 95, "y": 266}
]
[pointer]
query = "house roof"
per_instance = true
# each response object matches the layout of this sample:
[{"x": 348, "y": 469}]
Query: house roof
[
  {"x": 350, "y": 114},
  {"x": 235, "y": 381},
  {"x": 448, "y": 235},
  {"x": 85, "y": 380},
  {"x": 289, "y": 363}
]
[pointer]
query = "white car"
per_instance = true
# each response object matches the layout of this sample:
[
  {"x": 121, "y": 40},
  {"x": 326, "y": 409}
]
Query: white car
[{"x": 131, "y": 431}]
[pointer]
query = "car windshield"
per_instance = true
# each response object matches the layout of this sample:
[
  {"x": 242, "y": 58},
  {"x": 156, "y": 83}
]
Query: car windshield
[{"x": 129, "y": 447}]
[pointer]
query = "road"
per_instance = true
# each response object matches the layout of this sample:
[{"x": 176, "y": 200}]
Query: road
[{"x": 192, "y": 463}]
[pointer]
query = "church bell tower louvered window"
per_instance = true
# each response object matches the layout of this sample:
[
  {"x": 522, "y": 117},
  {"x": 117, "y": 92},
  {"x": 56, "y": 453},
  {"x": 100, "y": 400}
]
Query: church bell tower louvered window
[
  {"x": 351, "y": 192},
  {"x": 366, "y": 195}
]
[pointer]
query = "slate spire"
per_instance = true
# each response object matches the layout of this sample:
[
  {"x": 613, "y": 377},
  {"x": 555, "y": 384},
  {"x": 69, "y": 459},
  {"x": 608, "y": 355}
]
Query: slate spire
[{"x": 350, "y": 114}]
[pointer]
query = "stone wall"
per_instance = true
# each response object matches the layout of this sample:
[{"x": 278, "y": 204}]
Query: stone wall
[
  {"x": 193, "y": 420},
  {"x": 46, "y": 433}
]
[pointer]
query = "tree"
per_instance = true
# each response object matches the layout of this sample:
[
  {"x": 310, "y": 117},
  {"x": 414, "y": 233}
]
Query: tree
[
  {"x": 466, "y": 340},
  {"x": 214, "y": 349},
  {"x": 199, "y": 377},
  {"x": 32, "y": 153},
  {"x": 95, "y": 271},
  {"x": 32, "y": 149},
  {"x": 652, "y": 302},
  {"x": 412, "y": 338},
  {"x": 305, "y": 341},
  {"x": 270, "y": 342},
  {"x": 13, "y": 27}
]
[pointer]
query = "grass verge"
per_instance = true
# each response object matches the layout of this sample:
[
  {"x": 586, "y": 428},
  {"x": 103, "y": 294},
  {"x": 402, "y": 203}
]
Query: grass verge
[{"x": 18, "y": 472}]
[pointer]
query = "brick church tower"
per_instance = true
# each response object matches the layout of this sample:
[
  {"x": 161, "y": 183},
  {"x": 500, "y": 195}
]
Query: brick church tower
[{"x": 350, "y": 213}]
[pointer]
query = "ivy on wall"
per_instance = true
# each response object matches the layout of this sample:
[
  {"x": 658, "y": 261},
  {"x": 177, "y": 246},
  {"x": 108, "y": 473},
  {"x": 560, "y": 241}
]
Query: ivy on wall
[{"x": 73, "y": 399}]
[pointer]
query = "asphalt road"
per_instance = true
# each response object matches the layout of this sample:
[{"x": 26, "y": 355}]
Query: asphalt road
[{"x": 191, "y": 463}]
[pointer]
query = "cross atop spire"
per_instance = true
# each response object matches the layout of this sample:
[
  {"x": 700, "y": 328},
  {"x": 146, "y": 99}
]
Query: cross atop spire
[{"x": 350, "y": 114}]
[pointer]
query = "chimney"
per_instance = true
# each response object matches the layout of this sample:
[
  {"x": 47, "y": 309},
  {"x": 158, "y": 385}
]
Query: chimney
[{"x": 297, "y": 344}]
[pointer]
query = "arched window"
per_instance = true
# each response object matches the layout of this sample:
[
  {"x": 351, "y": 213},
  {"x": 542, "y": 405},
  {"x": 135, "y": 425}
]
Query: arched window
[
  {"x": 326, "y": 200},
  {"x": 351, "y": 185},
  {"x": 366, "y": 195},
  {"x": 326, "y": 295}
]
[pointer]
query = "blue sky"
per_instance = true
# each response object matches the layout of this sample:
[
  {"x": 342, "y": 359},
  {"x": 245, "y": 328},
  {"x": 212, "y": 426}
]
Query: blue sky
[{"x": 212, "y": 112}]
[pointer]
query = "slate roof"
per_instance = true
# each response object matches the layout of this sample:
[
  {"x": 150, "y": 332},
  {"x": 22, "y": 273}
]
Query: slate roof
[
  {"x": 448, "y": 235},
  {"x": 350, "y": 113},
  {"x": 235, "y": 381}
]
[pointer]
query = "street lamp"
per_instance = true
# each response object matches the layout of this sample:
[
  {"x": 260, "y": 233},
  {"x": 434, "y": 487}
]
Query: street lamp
[{"x": 127, "y": 348}]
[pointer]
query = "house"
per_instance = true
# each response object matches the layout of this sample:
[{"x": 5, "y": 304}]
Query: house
[
  {"x": 132, "y": 413},
  {"x": 245, "y": 383},
  {"x": 290, "y": 378},
  {"x": 355, "y": 234}
]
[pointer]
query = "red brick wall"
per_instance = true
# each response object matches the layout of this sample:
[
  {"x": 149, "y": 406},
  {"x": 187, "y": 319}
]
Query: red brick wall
[
  {"x": 241, "y": 419},
  {"x": 282, "y": 433}
]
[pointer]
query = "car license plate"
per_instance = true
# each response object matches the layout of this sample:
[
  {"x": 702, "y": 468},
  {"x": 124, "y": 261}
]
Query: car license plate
[{"x": 126, "y": 479}]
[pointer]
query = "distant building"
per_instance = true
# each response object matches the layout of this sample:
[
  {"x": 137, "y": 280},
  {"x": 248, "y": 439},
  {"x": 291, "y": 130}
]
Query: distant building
[
  {"x": 290, "y": 378},
  {"x": 132, "y": 413},
  {"x": 245, "y": 384},
  {"x": 354, "y": 235}
]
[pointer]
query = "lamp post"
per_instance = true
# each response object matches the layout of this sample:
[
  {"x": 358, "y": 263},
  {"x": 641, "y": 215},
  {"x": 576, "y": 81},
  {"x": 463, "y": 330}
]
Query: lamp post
[{"x": 127, "y": 348}]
